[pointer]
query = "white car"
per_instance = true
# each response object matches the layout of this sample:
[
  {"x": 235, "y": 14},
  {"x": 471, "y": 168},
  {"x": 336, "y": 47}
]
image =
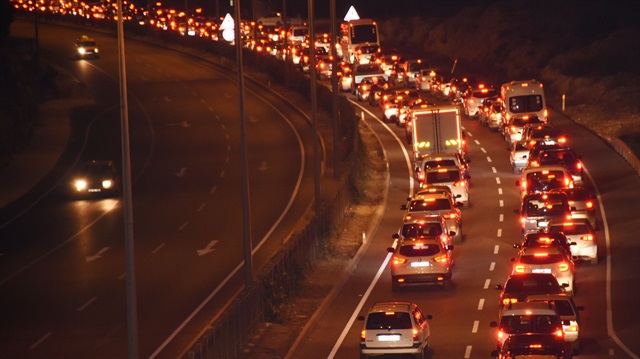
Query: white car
[
  {"x": 453, "y": 177},
  {"x": 580, "y": 232},
  {"x": 544, "y": 179},
  {"x": 548, "y": 259},
  {"x": 424, "y": 203},
  {"x": 424, "y": 80},
  {"x": 394, "y": 328},
  {"x": 473, "y": 102},
  {"x": 419, "y": 261},
  {"x": 568, "y": 312}
]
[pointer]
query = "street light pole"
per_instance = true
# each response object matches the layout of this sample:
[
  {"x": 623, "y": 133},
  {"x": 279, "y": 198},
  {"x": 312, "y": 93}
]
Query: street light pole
[
  {"x": 314, "y": 108},
  {"x": 246, "y": 205},
  {"x": 132, "y": 311}
]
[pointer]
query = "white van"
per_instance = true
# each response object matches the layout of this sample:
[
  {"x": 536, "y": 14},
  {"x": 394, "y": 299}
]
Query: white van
[
  {"x": 524, "y": 98},
  {"x": 298, "y": 34}
]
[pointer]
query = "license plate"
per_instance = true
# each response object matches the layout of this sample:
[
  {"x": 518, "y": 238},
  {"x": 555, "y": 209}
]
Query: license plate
[
  {"x": 541, "y": 270},
  {"x": 543, "y": 224},
  {"x": 420, "y": 264},
  {"x": 389, "y": 337}
]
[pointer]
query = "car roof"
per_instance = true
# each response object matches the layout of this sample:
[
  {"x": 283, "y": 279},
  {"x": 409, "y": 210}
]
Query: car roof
[
  {"x": 526, "y": 308},
  {"x": 443, "y": 169},
  {"x": 423, "y": 196},
  {"x": 391, "y": 307}
]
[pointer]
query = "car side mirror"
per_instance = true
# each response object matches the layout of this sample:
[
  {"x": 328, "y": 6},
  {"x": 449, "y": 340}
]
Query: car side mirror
[
  {"x": 391, "y": 250},
  {"x": 580, "y": 307},
  {"x": 467, "y": 177},
  {"x": 494, "y": 353},
  {"x": 449, "y": 247},
  {"x": 516, "y": 211},
  {"x": 467, "y": 159},
  {"x": 395, "y": 236},
  {"x": 518, "y": 183},
  {"x": 361, "y": 318},
  {"x": 403, "y": 207},
  {"x": 452, "y": 233},
  {"x": 512, "y": 259},
  {"x": 493, "y": 324},
  {"x": 499, "y": 286},
  {"x": 429, "y": 316}
]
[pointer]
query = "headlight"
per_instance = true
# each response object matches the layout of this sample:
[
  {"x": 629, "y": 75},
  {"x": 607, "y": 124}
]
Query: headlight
[
  {"x": 107, "y": 183},
  {"x": 81, "y": 50},
  {"x": 81, "y": 185}
]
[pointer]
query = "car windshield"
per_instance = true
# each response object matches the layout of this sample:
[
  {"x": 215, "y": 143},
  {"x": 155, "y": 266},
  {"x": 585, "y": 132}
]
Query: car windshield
[
  {"x": 542, "y": 207},
  {"x": 419, "y": 250},
  {"x": 87, "y": 43},
  {"x": 386, "y": 320},
  {"x": 436, "y": 204},
  {"x": 443, "y": 176},
  {"x": 518, "y": 324},
  {"x": 416, "y": 230},
  {"x": 566, "y": 156}
]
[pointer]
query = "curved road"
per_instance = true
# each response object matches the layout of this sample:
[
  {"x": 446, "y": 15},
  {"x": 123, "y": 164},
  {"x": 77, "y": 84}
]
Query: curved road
[{"x": 62, "y": 280}]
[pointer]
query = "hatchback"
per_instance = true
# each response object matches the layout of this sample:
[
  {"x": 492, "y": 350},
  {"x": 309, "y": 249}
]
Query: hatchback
[
  {"x": 550, "y": 259},
  {"x": 580, "y": 232},
  {"x": 520, "y": 285},
  {"x": 394, "y": 328},
  {"x": 569, "y": 315},
  {"x": 539, "y": 208},
  {"x": 582, "y": 203},
  {"x": 436, "y": 203}
]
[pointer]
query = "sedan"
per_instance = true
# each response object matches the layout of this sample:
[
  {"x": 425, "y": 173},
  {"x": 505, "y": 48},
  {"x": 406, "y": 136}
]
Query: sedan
[
  {"x": 551, "y": 260},
  {"x": 96, "y": 178}
]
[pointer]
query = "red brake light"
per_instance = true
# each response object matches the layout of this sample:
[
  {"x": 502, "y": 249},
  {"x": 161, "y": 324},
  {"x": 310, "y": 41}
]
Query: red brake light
[
  {"x": 519, "y": 268},
  {"x": 441, "y": 259},
  {"x": 563, "y": 267},
  {"x": 589, "y": 204},
  {"x": 399, "y": 260},
  {"x": 416, "y": 334},
  {"x": 588, "y": 237},
  {"x": 459, "y": 183},
  {"x": 363, "y": 335}
]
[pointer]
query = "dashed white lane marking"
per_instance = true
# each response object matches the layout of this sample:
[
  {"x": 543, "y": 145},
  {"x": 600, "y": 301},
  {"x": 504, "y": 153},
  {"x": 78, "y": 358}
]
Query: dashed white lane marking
[
  {"x": 467, "y": 352},
  {"x": 88, "y": 303},
  {"x": 483, "y": 150},
  {"x": 611, "y": 352},
  {"x": 194, "y": 94},
  {"x": 499, "y": 234},
  {"x": 39, "y": 341},
  {"x": 487, "y": 283},
  {"x": 227, "y": 159},
  {"x": 494, "y": 170},
  {"x": 159, "y": 247},
  {"x": 122, "y": 276},
  {"x": 500, "y": 190},
  {"x": 492, "y": 266},
  {"x": 497, "y": 247},
  {"x": 476, "y": 324},
  {"x": 501, "y": 203},
  {"x": 201, "y": 207},
  {"x": 477, "y": 142},
  {"x": 213, "y": 189},
  {"x": 202, "y": 100},
  {"x": 488, "y": 159},
  {"x": 481, "y": 304},
  {"x": 221, "y": 174},
  {"x": 228, "y": 147},
  {"x": 211, "y": 109},
  {"x": 501, "y": 218},
  {"x": 226, "y": 136},
  {"x": 498, "y": 180},
  {"x": 183, "y": 226}
]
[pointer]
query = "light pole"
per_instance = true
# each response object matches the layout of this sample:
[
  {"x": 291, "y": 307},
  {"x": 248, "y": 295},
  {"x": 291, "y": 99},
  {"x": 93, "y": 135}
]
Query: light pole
[{"x": 314, "y": 109}]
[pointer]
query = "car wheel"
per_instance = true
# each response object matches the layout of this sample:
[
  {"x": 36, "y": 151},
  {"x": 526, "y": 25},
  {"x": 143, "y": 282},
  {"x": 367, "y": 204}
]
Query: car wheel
[
  {"x": 447, "y": 284},
  {"x": 364, "y": 356}
]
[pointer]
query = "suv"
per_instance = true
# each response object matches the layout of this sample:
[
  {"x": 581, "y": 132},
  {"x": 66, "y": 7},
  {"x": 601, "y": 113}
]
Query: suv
[
  {"x": 544, "y": 178},
  {"x": 421, "y": 260},
  {"x": 435, "y": 203},
  {"x": 528, "y": 318},
  {"x": 564, "y": 156},
  {"x": 441, "y": 160},
  {"x": 582, "y": 235},
  {"x": 547, "y": 259},
  {"x": 394, "y": 328},
  {"x": 582, "y": 203},
  {"x": 539, "y": 208},
  {"x": 543, "y": 239},
  {"x": 520, "y": 285},
  {"x": 569, "y": 315}
]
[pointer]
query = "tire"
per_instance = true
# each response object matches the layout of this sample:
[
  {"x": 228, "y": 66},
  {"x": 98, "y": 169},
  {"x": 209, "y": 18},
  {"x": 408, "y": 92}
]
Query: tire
[{"x": 447, "y": 284}]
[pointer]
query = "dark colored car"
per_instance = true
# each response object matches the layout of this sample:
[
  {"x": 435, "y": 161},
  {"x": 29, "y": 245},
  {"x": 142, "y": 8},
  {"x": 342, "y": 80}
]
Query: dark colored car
[
  {"x": 533, "y": 346},
  {"x": 96, "y": 178}
]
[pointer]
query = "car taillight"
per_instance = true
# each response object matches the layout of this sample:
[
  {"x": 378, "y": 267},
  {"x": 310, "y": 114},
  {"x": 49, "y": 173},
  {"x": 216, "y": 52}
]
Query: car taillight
[
  {"x": 421, "y": 177},
  {"x": 562, "y": 140},
  {"x": 588, "y": 237},
  {"x": 399, "y": 260},
  {"x": 589, "y": 205},
  {"x": 459, "y": 183},
  {"x": 514, "y": 129},
  {"x": 450, "y": 216},
  {"x": 440, "y": 259},
  {"x": 559, "y": 333},
  {"x": 534, "y": 163},
  {"x": 579, "y": 165},
  {"x": 507, "y": 301},
  {"x": 563, "y": 267},
  {"x": 416, "y": 334},
  {"x": 500, "y": 334},
  {"x": 573, "y": 327},
  {"x": 523, "y": 185},
  {"x": 519, "y": 268},
  {"x": 363, "y": 335}
]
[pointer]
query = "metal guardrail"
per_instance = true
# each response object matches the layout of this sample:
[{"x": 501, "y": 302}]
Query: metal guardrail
[{"x": 625, "y": 152}]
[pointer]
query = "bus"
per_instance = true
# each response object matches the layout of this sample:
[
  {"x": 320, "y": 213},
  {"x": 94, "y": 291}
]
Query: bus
[
  {"x": 359, "y": 41},
  {"x": 524, "y": 98}
]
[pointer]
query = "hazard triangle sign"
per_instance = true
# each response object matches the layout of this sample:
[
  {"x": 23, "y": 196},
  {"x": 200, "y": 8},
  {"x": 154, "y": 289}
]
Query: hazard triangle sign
[
  {"x": 352, "y": 14},
  {"x": 227, "y": 23}
]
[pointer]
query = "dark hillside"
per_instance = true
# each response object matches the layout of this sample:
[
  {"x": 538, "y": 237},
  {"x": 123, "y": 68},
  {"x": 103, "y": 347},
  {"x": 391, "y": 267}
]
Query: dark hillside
[{"x": 588, "y": 50}]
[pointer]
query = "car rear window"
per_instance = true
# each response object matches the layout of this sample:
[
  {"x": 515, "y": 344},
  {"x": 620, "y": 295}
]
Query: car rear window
[
  {"x": 440, "y": 177},
  {"x": 437, "y": 204},
  {"x": 535, "y": 208},
  {"x": 539, "y": 284},
  {"x": 563, "y": 307},
  {"x": 414, "y": 230},
  {"x": 394, "y": 320},
  {"x": 518, "y": 324},
  {"x": 569, "y": 230},
  {"x": 423, "y": 250},
  {"x": 441, "y": 163},
  {"x": 541, "y": 259}
]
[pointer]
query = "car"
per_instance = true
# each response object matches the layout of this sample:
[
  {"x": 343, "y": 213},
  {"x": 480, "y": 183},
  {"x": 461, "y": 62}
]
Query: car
[
  {"x": 582, "y": 203},
  {"x": 564, "y": 156},
  {"x": 519, "y": 286},
  {"x": 569, "y": 314},
  {"x": 519, "y": 155},
  {"x": 345, "y": 78},
  {"x": 95, "y": 178},
  {"x": 411, "y": 69},
  {"x": 544, "y": 179},
  {"x": 426, "y": 226},
  {"x": 474, "y": 99},
  {"x": 527, "y": 318},
  {"x": 435, "y": 203},
  {"x": 324, "y": 67},
  {"x": 271, "y": 19},
  {"x": 533, "y": 346},
  {"x": 377, "y": 89},
  {"x": 512, "y": 130},
  {"x": 547, "y": 259},
  {"x": 434, "y": 189},
  {"x": 441, "y": 160},
  {"x": 394, "y": 328},
  {"x": 580, "y": 232},
  {"x": 421, "y": 260},
  {"x": 537, "y": 209},
  {"x": 404, "y": 108},
  {"x": 545, "y": 239},
  {"x": 363, "y": 90},
  {"x": 452, "y": 176},
  {"x": 425, "y": 79},
  {"x": 545, "y": 132},
  {"x": 86, "y": 47}
]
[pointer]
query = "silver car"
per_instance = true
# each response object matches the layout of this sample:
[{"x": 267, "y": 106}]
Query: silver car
[
  {"x": 518, "y": 155},
  {"x": 435, "y": 203},
  {"x": 418, "y": 261},
  {"x": 538, "y": 209},
  {"x": 580, "y": 232},
  {"x": 582, "y": 203}
]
